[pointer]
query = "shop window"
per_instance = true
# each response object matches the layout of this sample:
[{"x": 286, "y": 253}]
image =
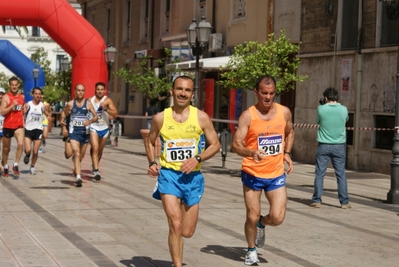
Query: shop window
[{"x": 384, "y": 139}]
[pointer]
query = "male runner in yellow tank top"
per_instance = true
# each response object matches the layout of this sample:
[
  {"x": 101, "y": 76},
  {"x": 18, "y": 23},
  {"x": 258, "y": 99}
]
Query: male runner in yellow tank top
[
  {"x": 264, "y": 138},
  {"x": 185, "y": 132}
]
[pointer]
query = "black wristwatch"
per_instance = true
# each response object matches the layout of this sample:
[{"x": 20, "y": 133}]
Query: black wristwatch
[
  {"x": 153, "y": 163},
  {"x": 289, "y": 153},
  {"x": 198, "y": 158}
]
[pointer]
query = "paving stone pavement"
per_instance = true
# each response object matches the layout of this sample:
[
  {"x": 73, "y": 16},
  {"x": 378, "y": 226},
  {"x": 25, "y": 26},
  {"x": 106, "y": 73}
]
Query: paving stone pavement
[{"x": 46, "y": 221}]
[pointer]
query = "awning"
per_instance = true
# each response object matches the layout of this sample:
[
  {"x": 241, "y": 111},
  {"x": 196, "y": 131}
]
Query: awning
[{"x": 205, "y": 64}]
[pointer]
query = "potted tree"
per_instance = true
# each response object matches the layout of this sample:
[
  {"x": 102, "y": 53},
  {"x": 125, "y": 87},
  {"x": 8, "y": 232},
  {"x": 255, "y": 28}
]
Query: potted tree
[{"x": 276, "y": 57}]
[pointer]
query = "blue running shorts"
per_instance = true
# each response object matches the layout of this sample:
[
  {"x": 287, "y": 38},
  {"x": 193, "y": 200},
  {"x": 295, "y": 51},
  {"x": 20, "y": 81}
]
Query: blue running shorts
[
  {"x": 266, "y": 184},
  {"x": 102, "y": 133},
  {"x": 82, "y": 138},
  {"x": 187, "y": 187}
]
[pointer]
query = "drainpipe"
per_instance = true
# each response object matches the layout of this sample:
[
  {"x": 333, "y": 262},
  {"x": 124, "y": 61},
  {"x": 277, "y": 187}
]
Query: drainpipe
[
  {"x": 270, "y": 21},
  {"x": 359, "y": 60}
]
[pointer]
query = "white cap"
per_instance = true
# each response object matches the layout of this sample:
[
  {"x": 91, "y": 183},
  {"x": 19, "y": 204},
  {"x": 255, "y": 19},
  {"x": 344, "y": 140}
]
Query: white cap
[{"x": 2, "y": 90}]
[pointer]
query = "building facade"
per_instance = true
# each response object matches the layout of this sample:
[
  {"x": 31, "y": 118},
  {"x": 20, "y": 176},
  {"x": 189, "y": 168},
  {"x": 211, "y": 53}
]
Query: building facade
[{"x": 348, "y": 44}]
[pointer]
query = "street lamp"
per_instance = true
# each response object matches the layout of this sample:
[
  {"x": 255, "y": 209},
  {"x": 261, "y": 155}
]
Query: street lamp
[
  {"x": 198, "y": 37},
  {"x": 109, "y": 57},
  {"x": 35, "y": 73},
  {"x": 392, "y": 9}
]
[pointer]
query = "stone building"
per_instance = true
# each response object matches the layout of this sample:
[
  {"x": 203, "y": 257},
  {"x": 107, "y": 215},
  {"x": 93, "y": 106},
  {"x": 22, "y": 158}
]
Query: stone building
[{"x": 348, "y": 44}]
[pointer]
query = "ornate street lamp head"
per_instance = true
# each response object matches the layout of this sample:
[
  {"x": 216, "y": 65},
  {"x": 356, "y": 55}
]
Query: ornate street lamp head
[
  {"x": 203, "y": 31},
  {"x": 192, "y": 33},
  {"x": 35, "y": 72},
  {"x": 109, "y": 54}
]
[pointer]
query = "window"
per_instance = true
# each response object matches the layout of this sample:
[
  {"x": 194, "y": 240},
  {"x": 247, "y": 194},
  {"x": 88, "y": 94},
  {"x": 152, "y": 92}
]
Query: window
[
  {"x": 389, "y": 29},
  {"x": 349, "y": 133},
  {"x": 144, "y": 17},
  {"x": 108, "y": 23},
  {"x": 239, "y": 9},
  {"x": 165, "y": 17},
  {"x": 35, "y": 31},
  {"x": 58, "y": 60},
  {"x": 127, "y": 18},
  {"x": 202, "y": 8},
  {"x": 384, "y": 139},
  {"x": 350, "y": 14}
]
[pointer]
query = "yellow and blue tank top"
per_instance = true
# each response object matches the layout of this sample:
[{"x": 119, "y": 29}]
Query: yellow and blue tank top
[{"x": 180, "y": 141}]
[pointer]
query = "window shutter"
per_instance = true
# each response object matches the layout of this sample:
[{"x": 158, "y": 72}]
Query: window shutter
[
  {"x": 389, "y": 29},
  {"x": 350, "y": 14}
]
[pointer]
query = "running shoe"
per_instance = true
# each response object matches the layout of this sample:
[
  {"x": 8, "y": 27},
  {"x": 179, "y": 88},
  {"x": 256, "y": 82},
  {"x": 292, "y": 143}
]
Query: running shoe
[
  {"x": 5, "y": 172},
  {"x": 260, "y": 234},
  {"x": 78, "y": 182},
  {"x": 15, "y": 169},
  {"x": 32, "y": 171},
  {"x": 44, "y": 142},
  {"x": 40, "y": 150},
  {"x": 26, "y": 159},
  {"x": 97, "y": 176},
  {"x": 251, "y": 258}
]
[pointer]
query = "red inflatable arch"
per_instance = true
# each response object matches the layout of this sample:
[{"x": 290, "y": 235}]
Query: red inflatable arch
[{"x": 69, "y": 29}]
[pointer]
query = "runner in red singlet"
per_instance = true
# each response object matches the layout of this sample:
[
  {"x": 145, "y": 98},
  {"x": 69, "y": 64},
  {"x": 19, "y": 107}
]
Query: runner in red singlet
[{"x": 12, "y": 110}]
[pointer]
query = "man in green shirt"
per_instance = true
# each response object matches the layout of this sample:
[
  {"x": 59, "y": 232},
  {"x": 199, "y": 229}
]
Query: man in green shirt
[{"x": 331, "y": 136}]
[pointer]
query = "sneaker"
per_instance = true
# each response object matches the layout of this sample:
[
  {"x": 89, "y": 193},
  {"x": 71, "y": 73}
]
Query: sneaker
[
  {"x": 40, "y": 150},
  {"x": 5, "y": 172},
  {"x": 251, "y": 258},
  {"x": 15, "y": 169},
  {"x": 26, "y": 159},
  {"x": 346, "y": 206},
  {"x": 315, "y": 205},
  {"x": 32, "y": 171},
  {"x": 44, "y": 142},
  {"x": 78, "y": 182},
  {"x": 97, "y": 176},
  {"x": 260, "y": 234}
]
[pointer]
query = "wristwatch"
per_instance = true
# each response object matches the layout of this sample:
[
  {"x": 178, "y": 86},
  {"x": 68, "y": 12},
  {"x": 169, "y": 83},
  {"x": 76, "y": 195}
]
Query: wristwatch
[
  {"x": 289, "y": 153},
  {"x": 153, "y": 163},
  {"x": 198, "y": 158}
]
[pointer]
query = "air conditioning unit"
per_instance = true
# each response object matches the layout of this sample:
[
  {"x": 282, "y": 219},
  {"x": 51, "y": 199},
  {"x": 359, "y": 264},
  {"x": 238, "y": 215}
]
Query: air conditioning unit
[{"x": 216, "y": 42}]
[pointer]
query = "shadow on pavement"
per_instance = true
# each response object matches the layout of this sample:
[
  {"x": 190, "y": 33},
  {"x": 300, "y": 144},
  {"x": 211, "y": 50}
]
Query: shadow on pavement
[{"x": 146, "y": 262}]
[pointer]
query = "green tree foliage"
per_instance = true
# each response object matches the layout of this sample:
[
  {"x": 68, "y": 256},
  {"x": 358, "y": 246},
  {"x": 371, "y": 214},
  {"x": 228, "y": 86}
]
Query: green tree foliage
[
  {"x": 275, "y": 57},
  {"x": 4, "y": 80},
  {"x": 143, "y": 79},
  {"x": 57, "y": 85}
]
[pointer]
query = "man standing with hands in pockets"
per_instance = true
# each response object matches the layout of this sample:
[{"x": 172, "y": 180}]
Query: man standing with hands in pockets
[{"x": 264, "y": 137}]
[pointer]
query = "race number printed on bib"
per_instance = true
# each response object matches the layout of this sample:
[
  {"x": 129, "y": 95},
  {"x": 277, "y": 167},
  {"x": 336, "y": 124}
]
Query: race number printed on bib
[
  {"x": 78, "y": 122},
  {"x": 180, "y": 149},
  {"x": 271, "y": 145}
]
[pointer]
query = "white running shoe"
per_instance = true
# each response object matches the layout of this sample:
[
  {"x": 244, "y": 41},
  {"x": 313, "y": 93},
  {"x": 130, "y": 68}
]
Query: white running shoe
[
  {"x": 78, "y": 181},
  {"x": 32, "y": 171},
  {"x": 251, "y": 258},
  {"x": 97, "y": 176}
]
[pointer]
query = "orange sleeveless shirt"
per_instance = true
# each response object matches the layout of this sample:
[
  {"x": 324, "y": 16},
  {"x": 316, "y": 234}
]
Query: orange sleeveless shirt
[
  {"x": 268, "y": 136},
  {"x": 15, "y": 118}
]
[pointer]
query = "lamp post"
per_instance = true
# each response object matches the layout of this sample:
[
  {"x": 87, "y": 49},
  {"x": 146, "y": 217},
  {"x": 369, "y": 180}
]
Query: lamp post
[
  {"x": 198, "y": 38},
  {"x": 109, "y": 57},
  {"x": 392, "y": 9},
  {"x": 35, "y": 73}
]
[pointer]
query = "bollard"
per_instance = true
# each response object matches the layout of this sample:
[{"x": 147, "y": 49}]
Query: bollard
[{"x": 224, "y": 140}]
